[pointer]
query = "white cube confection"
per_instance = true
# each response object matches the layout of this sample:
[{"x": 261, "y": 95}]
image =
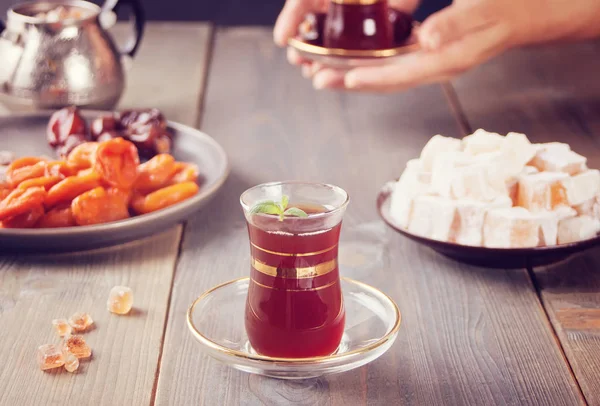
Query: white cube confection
[
  {"x": 477, "y": 182},
  {"x": 590, "y": 208},
  {"x": 512, "y": 183},
  {"x": 548, "y": 224},
  {"x": 529, "y": 170},
  {"x": 432, "y": 217},
  {"x": 458, "y": 175},
  {"x": 582, "y": 187},
  {"x": 565, "y": 212},
  {"x": 542, "y": 191},
  {"x": 577, "y": 229},
  {"x": 511, "y": 227},
  {"x": 438, "y": 144},
  {"x": 416, "y": 165},
  {"x": 517, "y": 151},
  {"x": 558, "y": 157},
  {"x": 469, "y": 219},
  {"x": 444, "y": 169},
  {"x": 481, "y": 142},
  {"x": 403, "y": 193},
  {"x": 548, "y": 227}
]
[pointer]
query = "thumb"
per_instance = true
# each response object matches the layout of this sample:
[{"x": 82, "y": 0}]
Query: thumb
[
  {"x": 294, "y": 11},
  {"x": 455, "y": 22}
]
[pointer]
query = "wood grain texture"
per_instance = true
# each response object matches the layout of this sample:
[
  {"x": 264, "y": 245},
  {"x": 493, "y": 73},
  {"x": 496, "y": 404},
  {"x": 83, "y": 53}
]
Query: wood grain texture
[
  {"x": 469, "y": 335},
  {"x": 35, "y": 290},
  {"x": 169, "y": 70},
  {"x": 545, "y": 94}
]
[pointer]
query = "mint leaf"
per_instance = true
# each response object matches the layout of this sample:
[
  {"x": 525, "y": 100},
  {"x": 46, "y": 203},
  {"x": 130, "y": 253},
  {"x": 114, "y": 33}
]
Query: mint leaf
[
  {"x": 284, "y": 202},
  {"x": 279, "y": 209},
  {"x": 267, "y": 207},
  {"x": 296, "y": 212}
]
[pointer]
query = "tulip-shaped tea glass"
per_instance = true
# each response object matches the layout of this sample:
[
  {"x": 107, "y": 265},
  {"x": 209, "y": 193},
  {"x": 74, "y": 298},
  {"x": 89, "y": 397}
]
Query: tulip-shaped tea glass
[
  {"x": 294, "y": 307},
  {"x": 358, "y": 24}
]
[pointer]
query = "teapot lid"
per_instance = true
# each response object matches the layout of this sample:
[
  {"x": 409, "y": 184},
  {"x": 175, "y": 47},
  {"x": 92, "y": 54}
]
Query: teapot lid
[{"x": 53, "y": 12}]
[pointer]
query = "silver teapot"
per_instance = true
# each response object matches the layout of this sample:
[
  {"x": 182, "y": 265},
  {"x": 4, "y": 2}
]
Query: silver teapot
[{"x": 56, "y": 60}]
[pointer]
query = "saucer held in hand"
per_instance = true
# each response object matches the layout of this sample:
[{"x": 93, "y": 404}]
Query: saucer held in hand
[{"x": 310, "y": 43}]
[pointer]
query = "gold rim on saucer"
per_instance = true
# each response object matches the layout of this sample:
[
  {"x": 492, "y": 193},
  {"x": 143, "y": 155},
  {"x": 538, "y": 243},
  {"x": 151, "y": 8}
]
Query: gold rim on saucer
[
  {"x": 390, "y": 335},
  {"x": 352, "y": 53}
]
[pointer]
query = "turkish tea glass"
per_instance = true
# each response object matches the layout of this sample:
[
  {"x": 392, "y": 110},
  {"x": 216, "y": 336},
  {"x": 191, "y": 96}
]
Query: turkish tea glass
[
  {"x": 358, "y": 24},
  {"x": 294, "y": 307}
]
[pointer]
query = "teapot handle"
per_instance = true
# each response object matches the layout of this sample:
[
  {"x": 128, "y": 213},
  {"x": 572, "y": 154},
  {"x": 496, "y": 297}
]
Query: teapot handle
[{"x": 138, "y": 18}]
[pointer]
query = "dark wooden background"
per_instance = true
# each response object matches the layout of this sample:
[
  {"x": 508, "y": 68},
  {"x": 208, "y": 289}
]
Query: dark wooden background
[{"x": 226, "y": 12}]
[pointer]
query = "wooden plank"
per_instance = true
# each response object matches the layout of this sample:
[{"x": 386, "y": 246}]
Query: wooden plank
[
  {"x": 469, "y": 335},
  {"x": 35, "y": 290},
  {"x": 169, "y": 70},
  {"x": 549, "y": 94}
]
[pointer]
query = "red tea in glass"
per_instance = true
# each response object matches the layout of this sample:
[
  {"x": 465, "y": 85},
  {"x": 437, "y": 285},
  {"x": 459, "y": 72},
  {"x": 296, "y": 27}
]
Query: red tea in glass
[
  {"x": 358, "y": 24},
  {"x": 295, "y": 307}
]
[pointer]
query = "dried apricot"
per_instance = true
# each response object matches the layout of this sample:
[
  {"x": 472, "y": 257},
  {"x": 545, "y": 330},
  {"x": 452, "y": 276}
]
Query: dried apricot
[
  {"x": 60, "y": 216},
  {"x": 185, "y": 173},
  {"x": 155, "y": 173},
  {"x": 123, "y": 194},
  {"x": 116, "y": 162},
  {"x": 45, "y": 181},
  {"x": 59, "y": 168},
  {"x": 96, "y": 207},
  {"x": 5, "y": 190},
  {"x": 82, "y": 156},
  {"x": 26, "y": 220},
  {"x": 25, "y": 168},
  {"x": 71, "y": 187},
  {"x": 164, "y": 197},
  {"x": 21, "y": 201},
  {"x": 23, "y": 162}
]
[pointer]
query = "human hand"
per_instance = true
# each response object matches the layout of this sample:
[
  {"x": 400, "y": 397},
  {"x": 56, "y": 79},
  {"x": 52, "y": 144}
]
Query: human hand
[
  {"x": 466, "y": 34},
  {"x": 293, "y": 14}
]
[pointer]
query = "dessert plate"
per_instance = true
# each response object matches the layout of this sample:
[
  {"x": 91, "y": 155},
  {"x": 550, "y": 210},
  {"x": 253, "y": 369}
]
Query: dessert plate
[
  {"x": 488, "y": 257},
  {"x": 353, "y": 58},
  {"x": 25, "y": 135},
  {"x": 216, "y": 319}
]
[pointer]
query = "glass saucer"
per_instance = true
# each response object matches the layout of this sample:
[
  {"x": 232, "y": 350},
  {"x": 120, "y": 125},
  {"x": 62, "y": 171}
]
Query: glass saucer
[{"x": 216, "y": 319}]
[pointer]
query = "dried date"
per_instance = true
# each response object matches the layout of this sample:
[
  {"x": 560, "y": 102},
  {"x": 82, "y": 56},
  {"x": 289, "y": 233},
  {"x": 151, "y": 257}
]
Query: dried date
[
  {"x": 104, "y": 124},
  {"x": 63, "y": 123}
]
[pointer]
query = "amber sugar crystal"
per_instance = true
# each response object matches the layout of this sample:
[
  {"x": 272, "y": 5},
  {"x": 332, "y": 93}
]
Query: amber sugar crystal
[
  {"x": 50, "y": 356},
  {"x": 80, "y": 321},
  {"x": 71, "y": 362},
  {"x": 120, "y": 300},
  {"x": 76, "y": 344},
  {"x": 62, "y": 327}
]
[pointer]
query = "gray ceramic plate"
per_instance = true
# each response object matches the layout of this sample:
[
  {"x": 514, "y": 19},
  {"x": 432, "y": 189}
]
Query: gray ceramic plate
[{"x": 26, "y": 135}]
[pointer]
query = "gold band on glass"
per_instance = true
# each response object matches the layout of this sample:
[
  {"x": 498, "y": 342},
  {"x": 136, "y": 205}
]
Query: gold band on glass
[
  {"x": 358, "y": 2},
  {"x": 288, "y": 254},
  {"x": 294, "y": 273},
  {"x": 294, "y": 290}
]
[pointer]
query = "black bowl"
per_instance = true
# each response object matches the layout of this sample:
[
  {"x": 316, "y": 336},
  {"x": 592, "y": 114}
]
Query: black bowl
[{"x": 488, "y": 257}]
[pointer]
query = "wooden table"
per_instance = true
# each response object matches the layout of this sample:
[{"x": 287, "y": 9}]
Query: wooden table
[{"x": 469, "y": 335}]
